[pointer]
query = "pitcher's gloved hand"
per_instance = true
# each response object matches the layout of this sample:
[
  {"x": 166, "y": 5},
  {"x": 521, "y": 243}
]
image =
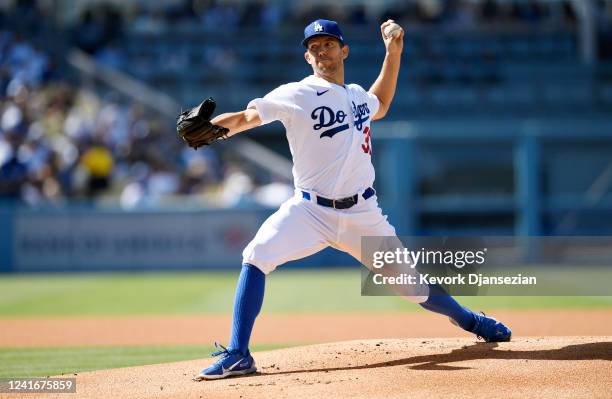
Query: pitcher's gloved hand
[{"x": 194, "y": 126}]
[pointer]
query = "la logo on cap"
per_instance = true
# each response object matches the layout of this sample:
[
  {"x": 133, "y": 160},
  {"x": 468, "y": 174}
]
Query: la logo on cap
[{"x": 318, "y": 27}]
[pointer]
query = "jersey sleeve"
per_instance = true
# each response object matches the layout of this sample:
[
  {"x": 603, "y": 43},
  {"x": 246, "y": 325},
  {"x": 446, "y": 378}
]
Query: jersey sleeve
[
  {"x": 373, "y": 103},
  {"x": 277, "y": 105}
]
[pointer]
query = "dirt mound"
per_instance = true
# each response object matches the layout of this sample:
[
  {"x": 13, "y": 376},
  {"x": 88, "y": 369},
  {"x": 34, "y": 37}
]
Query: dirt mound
[{"x": 556, "y": 367}]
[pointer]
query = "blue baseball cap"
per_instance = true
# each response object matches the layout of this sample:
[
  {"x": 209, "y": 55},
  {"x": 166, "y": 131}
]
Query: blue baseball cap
[{"x": 322, "y": 27}]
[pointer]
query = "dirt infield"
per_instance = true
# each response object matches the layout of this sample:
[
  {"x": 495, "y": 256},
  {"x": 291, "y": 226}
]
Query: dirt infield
[
  {"x": 285, "y": 329},
  {"x": 559, "y": 367},
  {"x": 539, "y": 363}
]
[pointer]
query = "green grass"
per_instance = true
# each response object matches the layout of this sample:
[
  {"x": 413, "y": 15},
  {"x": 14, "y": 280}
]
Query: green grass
[
  {"x": 41, "y": 362},
  {"x": 287, "y": 291}
]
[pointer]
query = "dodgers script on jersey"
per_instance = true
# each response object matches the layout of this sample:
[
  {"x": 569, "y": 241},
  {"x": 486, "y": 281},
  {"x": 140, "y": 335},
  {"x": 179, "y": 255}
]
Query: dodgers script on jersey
[{"x": 328, "y": 129}]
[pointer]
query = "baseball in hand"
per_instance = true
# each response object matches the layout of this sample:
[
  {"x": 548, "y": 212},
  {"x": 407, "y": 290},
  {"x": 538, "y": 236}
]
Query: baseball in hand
[{"x": 392, "y": 30}]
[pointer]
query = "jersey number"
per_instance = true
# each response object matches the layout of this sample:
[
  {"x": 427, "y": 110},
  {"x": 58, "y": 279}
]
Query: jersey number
[{"x": 366, "y": 145}]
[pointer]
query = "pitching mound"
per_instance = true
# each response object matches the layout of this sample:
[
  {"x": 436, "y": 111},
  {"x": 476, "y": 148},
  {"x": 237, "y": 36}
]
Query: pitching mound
[{"x": 434, "y": 368}]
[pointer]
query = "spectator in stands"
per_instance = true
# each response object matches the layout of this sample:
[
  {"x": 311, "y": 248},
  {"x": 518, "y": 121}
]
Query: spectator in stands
[
  {"x": 13, "y": 171},
  {"x": 43, "y": 170},
  {"x": 24, "y": 63},
  {"x": 90, "y": 32},
  {"x": 97, "y": 163},
  {"x": 99, "y": 25}
]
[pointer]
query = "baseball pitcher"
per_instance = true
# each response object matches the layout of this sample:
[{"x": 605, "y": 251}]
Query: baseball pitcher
[{"x": 329, "y": 129}]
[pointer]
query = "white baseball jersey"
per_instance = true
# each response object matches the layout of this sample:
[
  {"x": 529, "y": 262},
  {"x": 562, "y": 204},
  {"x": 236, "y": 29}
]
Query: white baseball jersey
[{"x": 328, "y": 129}]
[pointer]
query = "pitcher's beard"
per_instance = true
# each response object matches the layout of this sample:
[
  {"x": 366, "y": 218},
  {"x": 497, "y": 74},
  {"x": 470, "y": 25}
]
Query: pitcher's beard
[{"x": 327, "y": 70}]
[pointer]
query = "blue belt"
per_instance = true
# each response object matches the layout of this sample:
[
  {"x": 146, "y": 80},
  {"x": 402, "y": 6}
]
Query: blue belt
[{"x": 342, "y": 203}]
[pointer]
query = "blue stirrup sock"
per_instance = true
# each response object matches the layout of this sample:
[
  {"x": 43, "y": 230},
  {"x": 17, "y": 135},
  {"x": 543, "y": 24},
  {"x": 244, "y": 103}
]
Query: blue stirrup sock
[
  {"x": 440, "y": 302},
  {"x": 247, "y": 304}
]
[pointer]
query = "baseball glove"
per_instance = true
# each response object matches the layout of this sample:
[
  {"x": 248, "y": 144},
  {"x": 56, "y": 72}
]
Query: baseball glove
[{"x": 194, "y": 126}]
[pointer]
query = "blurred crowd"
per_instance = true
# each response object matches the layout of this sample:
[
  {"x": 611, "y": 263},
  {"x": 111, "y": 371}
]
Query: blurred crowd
[{"x": 59, "y": 140}]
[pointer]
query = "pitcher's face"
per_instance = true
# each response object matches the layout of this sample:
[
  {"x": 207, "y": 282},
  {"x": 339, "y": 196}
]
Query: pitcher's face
[{"x": 326, "y": 55}]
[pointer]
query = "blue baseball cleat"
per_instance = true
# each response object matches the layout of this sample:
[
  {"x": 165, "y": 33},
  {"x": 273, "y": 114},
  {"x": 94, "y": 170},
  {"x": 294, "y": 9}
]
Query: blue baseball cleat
[
  {"x": 232, "y": 363},
  {"x": 489, "y": 329}
]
